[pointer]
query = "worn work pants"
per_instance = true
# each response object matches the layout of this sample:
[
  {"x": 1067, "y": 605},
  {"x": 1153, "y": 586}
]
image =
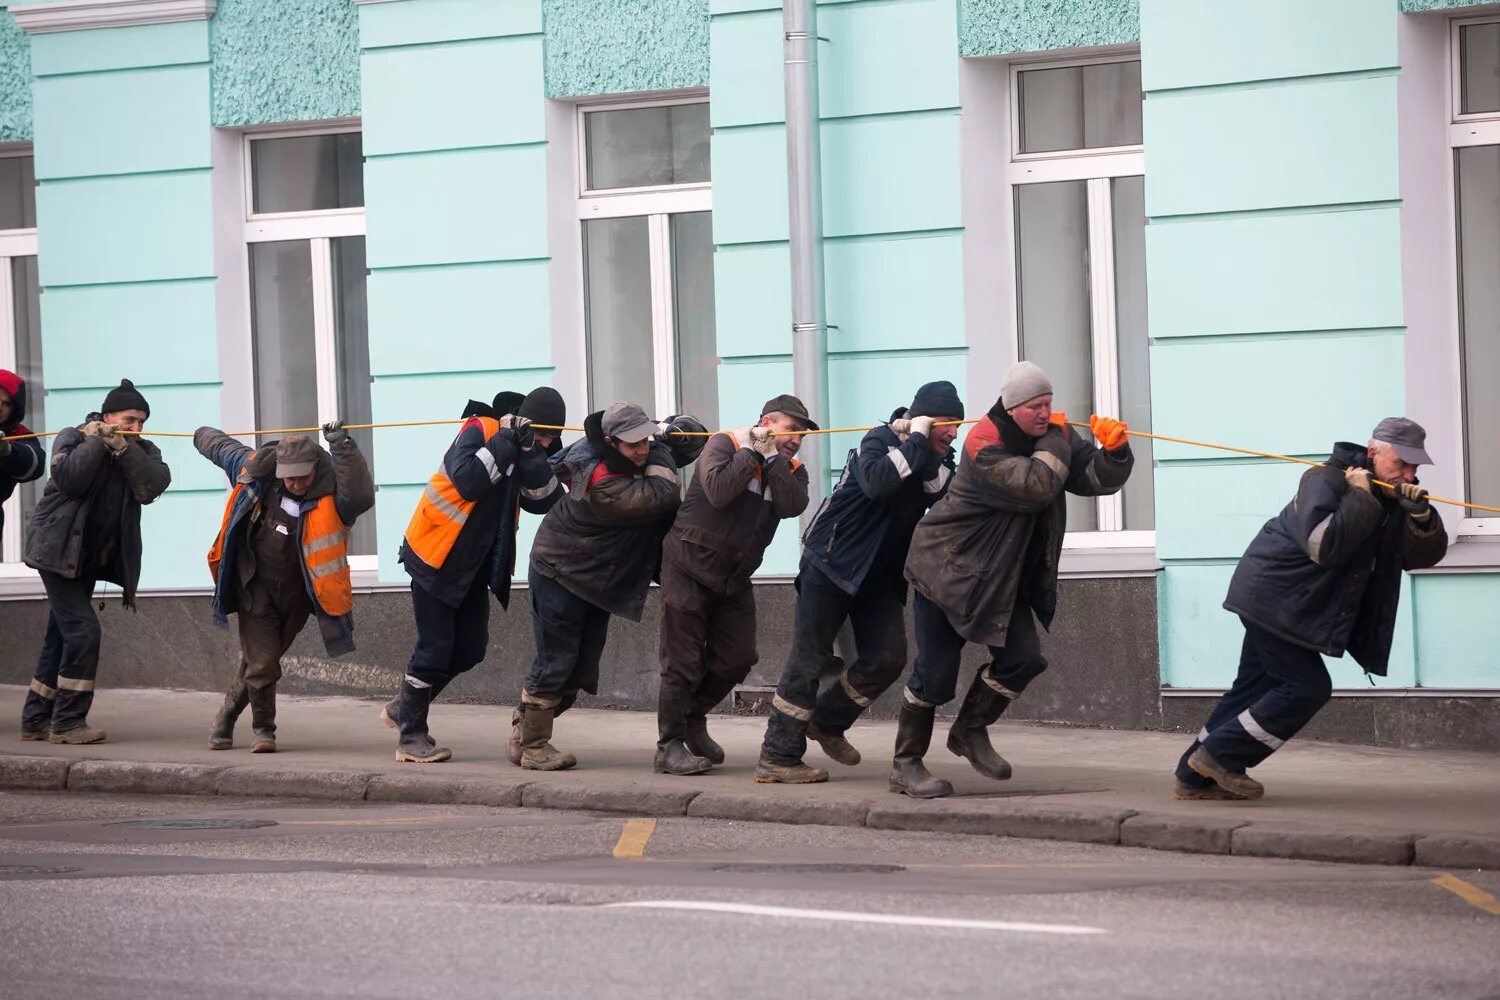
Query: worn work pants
[
  {"x": 707, "y": 648},
  {"x": 570, "y": 634},
  {"x": 934, "y": 675},
  {"x": 272, "y": 613},
  {"x": 1280, "y": 687},
  {"x": 878, "y": 617},
  {"x": 449, "y": 640},
  {"x": 62, "y": 686}
]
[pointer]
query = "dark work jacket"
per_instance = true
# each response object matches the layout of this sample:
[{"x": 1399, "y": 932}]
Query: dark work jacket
[
  {"x": 80, "y": 467},
  {"x": 730, "y": 514},
  {"x": 997, "y": 536},
  {"x": 602, "y": 542},
  {"x": 1325, "y": 573},
  {"x": 345, "y": 474},
  {"x": 886, "y": 487},
  {"x": 487, "y": 541},
  {"x": 27, "y": 459}
]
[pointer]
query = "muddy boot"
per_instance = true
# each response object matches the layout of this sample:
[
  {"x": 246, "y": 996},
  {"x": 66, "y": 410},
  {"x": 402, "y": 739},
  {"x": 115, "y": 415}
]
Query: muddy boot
[
  {"x": 513, "y": 745},
  {"x": 537, "y": 751},
  {"x": 76, "y": 736},
  {"x": 699, "y": 742},
  {"x": 222, "y": 735},
  {"x": 390, "y": 714},
  {"x": 1237, "y": 783},
  {"x": 1207, "y": 792},
  {"x": 263, "y": 718},
  {"x": 969, "y": 736},
  {"x": 913, "y": 735},
  {"x": 676, "y": 758},
  {"x": 835, "y": 746},
  {"x": 769, "y": 772}
]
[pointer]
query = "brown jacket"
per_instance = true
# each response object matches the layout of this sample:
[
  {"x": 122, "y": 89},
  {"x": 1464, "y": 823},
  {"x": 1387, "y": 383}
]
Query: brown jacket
[{"x": 733, "y": 506}]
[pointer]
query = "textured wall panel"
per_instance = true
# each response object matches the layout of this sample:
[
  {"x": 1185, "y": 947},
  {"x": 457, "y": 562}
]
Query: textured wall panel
[
  {"x": 131, "y": 121},
  {"x": 179, "y": 43},
  {"x": 999, "y": 27},
  {"x": 1458, "y": 631},
  {"x": 283, "y": 62},
  {"x": 95, "y": 332},
  {"x": 15, "y": 81},
  {"x": 619, "y": 46},
  {"x": 125, "y": 229}
]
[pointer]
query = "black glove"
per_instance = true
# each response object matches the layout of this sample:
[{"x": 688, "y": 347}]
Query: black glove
[
  {"x": 525, "y": 436},
  {"x": 1414, "y": 501},
  {"x": 333, "y": 432},
  {"x": 684, "y": 448},
  {"x": 4, "y": 445}
]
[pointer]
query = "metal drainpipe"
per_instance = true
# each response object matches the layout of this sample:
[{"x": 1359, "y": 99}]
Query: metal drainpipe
[{"x": 805, "y": 202}]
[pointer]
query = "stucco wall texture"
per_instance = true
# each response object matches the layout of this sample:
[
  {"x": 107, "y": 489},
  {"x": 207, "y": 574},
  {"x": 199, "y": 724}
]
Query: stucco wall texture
[
  {"x": 15, "y": 80},
  {"x": 618, "y": 46},
  {"x": 998, "y": 27},
  {"x": 1414, "y": 6},
  {"x": 275, "y": 61}
]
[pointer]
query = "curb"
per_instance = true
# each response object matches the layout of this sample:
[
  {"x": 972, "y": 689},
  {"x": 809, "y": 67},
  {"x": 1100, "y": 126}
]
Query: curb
[{"x": 1123, "y": 827}]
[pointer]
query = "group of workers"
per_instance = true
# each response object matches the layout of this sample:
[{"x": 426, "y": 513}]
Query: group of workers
[{"x": 976, "y": 538}]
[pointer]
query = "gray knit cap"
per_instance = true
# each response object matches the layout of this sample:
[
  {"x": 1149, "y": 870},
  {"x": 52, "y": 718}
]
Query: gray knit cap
[{"x": 1024, "y": 381}]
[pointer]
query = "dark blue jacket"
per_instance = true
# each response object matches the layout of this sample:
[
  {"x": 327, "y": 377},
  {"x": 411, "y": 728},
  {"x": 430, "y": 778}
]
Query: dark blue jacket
[
  {"x": 867, "y": 523},
  {"x": 27, "y": 459},
  {"x": 1325, "y": 573}
]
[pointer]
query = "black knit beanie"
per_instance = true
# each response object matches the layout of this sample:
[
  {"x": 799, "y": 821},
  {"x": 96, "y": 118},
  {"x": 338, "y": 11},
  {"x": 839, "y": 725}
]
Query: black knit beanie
[
  {"x": 544, "y": 405},
  {"x": 125, "y": 397},
  {"x": 937, "y": 399}
]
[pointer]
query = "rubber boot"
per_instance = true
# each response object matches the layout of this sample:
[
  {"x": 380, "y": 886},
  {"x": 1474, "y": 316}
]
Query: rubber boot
[
  {"x": 416, "y": 745},
  {"x": 263, "y": 718},
  {"x": 699, "y": 742},
  {"x": 913, "y": 735},
  {"x": 676, "y": 758},
  {"x": 969, "y": 736},
  {"x": 537, "y": 751},
  {"x": 222, "y": 736},
  {"x": 391, "y": 713},
  {"x": 513, "y": 745}
]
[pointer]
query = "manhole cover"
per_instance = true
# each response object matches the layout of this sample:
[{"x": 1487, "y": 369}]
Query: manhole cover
[
  {"x": 811, "y": 869},
  {"x": 195, "y": 824},
  {"x": 37, "y": 870}
]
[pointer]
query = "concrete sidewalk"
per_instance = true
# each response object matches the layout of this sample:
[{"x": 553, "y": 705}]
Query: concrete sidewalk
[{"x": 1324, "y": 801}]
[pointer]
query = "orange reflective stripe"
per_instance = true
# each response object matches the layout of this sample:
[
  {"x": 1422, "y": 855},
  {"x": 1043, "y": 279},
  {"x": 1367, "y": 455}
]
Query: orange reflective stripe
[
  {"x": 441, "y": 512},
  {"x": 325, "y": 552},
  {"x": 216, "y": 552}
]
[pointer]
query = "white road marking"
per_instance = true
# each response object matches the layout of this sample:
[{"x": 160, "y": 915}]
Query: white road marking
[{"x": 849, "y": 916}]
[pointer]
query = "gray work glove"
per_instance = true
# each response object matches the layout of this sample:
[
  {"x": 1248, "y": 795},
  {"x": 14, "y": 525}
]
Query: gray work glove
[
  {"x": 4, "y": 446},
  {"x": 114, "y": 440},
  {"x": 334, "y": 432},
  {"x": 763, "y": 442},
  {"x": 922, "y": 426},
  {"x": 901, "y": 427},
  {"x": 94, "y": 428},
  {"x": 1414, "y": 501},
  {"x": 1358, "y": 479}
]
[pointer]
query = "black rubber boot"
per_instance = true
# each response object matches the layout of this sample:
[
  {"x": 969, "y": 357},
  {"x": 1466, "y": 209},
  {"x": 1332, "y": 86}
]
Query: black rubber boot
[
  {"x": 676, "y": 758},
  {"x": 909, "y": 775},
  {"x": 969, "y": 736},
  {"x": 263, "y": 718},
  {"x": 700, "y": 743},
  {"x": 391, "y": 713},
  {"x": 416, "y": 746},
  {"x": 222, "y": 736}
]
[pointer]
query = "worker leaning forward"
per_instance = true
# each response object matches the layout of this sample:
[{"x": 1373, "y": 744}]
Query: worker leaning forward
[
  {"x": 281, "y": 556},
  {"x": 1322, "y": 577},
  {"x": 460, "y": 547},
  {"x": 87, "y": 529},
  {"x": 746, "y": 482},
  {"x": 594, "y": 555},
  {"x": 853, "y": 559},
  {"x": 984, "y": 565}
]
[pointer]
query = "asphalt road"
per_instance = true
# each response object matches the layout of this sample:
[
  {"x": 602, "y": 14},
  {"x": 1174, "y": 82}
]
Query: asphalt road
[{"x": 119, "y": 896}]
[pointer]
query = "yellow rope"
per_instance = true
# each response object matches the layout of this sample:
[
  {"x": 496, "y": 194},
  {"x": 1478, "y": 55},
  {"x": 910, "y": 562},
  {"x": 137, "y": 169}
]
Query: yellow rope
[{"x": 823, "y": 430}]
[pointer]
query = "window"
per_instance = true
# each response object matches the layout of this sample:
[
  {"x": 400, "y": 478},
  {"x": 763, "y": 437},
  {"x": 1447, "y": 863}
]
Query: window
[
  {"x": 1475, "y": 138},
  {"x": 305, "y": 226},
  {"x": 1078, "y": 202},
  {"x": 20, "y": 324},
  {"x": 648, "y": 288}
]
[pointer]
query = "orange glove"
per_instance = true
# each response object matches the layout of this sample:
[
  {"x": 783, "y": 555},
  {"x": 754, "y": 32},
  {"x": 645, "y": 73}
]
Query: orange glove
[
  {"x": 1059, "y": 419},
  {"x": 1111, "y": 434}
]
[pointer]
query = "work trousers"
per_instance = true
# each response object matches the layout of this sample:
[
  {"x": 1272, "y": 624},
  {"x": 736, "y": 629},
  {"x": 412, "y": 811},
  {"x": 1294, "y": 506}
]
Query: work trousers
[
  {"x": 707, "y": 647},
  {"x": 449, "y": 640},
  {"x": 271, "y": 614},
  {"x": 62, "y": 686},
  {"x": 878, "y": 618},
  {"x": 1280, "y": 687},
  {"x": 934, "y": 675},
  {"x": 570, "y": 634}
]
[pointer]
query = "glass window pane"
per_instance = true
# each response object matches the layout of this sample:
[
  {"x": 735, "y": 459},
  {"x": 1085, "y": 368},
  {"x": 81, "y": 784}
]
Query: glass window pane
[
  {"x": 1478, "y": 185},
  {"x": 617, "y": 299},
  {"x": 352, "y": 343},
  {"x": 646, "y": 147},
  {"x": 281, "y": 301},
  {"x": 307, "y": 173},
  {"x": 28, "y": 319},
  {"x": 693, "y": 314},
  {"x": 1052, "y": 282},
  {"x": 1479, "y": 78},
  {"x": 1080, "y": 107},
  {"x": 1134, "y": 348},
  {"x": 17, "y": 192}
]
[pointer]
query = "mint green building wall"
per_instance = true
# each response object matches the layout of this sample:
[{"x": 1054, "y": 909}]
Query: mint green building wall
[
  {"x": 891, "y": 212},
  {"x": 15, "y": 79},
  {"x": 125, "y": 230},
  {"x": 621, "y": 46},
  {"x": 1274, "y": 255},
  {"x": 455, "y": 207},
  {"x": 284, "y": 61}
]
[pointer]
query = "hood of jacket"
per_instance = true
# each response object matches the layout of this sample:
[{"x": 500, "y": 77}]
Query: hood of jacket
[
  {"x": 1015, "y": 440},
  {"x": 262, "y": 465},
  {"x": 15, "y": 387}
]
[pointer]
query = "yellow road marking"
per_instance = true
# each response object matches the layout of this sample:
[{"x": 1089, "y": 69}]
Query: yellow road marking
[
  {"x": 1471, "y": 894},
  {"x": 633, "y": 839}
]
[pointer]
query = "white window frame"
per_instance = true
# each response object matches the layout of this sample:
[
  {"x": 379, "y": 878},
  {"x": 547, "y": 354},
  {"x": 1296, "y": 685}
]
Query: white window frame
[
  {"x": 1098, "y": 168},
  {"x": 657, "y": 204},
  {"x": 1480, "y": 129},
  {"x": 319, "y": 228},
  {"x": 13, "y": 243}
]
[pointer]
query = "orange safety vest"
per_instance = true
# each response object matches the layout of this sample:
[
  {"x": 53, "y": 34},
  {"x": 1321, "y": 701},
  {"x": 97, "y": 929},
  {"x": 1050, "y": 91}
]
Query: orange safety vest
[
  {"x": 325, "y": 553},
  {"x": 441, "y": 512}
]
